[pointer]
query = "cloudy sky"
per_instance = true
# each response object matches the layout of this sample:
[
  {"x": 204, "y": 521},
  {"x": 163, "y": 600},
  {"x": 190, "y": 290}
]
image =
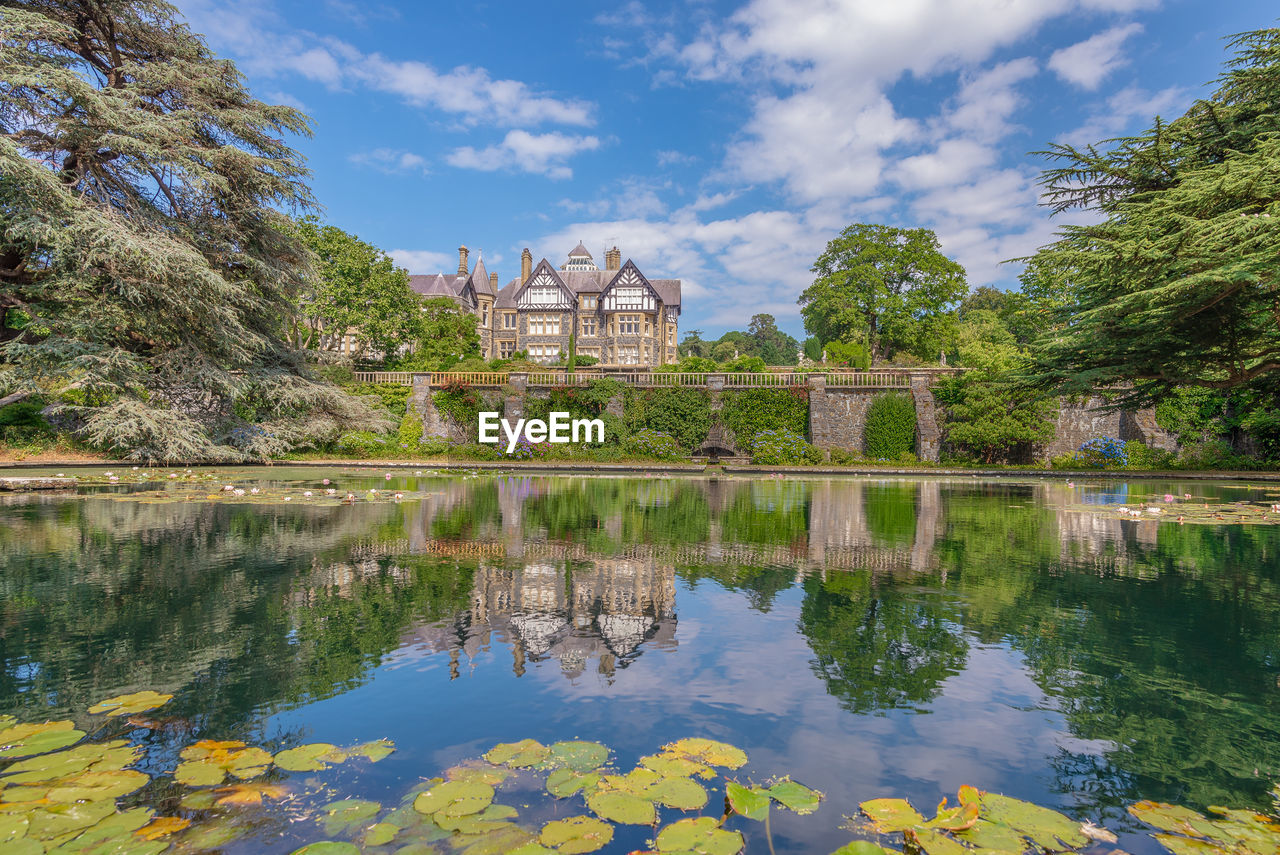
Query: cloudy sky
[{"x": 720, "y": 142}]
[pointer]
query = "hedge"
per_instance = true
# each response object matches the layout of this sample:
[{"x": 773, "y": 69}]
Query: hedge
[{"x": 890, "y": 430}]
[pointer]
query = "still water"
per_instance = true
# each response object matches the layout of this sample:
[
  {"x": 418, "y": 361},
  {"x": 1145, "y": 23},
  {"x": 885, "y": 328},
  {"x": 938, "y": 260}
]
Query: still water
[{"x": 868, "y": 637}]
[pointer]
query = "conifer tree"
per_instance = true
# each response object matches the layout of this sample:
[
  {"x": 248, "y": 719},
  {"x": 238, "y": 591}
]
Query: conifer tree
[
  {"x": 146, "y": 264},
  {"x": 1179, "y": 284}
]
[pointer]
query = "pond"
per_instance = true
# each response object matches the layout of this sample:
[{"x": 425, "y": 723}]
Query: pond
[{"x": 867, "y": 637}]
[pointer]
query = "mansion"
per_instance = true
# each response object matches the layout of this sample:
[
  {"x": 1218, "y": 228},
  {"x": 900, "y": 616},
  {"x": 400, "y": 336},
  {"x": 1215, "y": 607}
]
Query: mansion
[{"x": 616, "y": 315}]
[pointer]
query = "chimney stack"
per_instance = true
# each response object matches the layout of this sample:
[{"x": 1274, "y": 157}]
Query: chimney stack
[
  {"x": 462, "y": 261},
  {"x": 493, "y": 282},
  {"x": 526, "y": 265},
  {"x": 612, "y": 259}
]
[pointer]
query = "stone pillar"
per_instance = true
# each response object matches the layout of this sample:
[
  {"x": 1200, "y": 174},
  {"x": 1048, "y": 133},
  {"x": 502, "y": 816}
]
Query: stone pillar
[
  {"x": 715, "y": 385},
  {"x": 423, "y": 404},
  {"x": 513, "y": 404},
  {"x": 817, "y": 384},
  {"x": 615, "y": 407},
  {"x": 928, "y": 434}
]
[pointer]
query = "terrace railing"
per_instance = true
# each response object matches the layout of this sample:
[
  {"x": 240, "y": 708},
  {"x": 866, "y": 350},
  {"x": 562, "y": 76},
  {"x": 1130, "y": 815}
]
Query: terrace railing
[{"x": 883, "y": 379}]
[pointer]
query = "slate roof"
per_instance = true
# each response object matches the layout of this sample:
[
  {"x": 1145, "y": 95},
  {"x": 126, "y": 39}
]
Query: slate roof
[
  {"x": 579, "y": 251},
  {"x": 437, "y": 285},
  {"x": 591, "y": 282},
  {"x": 480, "y": 278}
]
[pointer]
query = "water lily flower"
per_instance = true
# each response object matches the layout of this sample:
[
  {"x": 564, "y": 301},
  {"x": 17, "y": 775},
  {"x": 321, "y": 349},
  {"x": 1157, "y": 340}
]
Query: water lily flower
[
  {"x": 326, "y": 481},
  {"x": 227, "y": 488},
  {"x": 254, "y": 490},
  {"x": 307, "y": 494},
  {"x": 399, "y": 496},
  {"x": 387, "y": 476},
  {"x": 288, "y": 498},
  {"x": 330, "y": 491},
  {"x": 1169, "y": 497},
  {"x": 239, "y": 492}
]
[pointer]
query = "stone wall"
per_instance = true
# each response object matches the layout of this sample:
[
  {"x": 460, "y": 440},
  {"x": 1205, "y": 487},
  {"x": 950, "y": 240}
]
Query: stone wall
[
  {"x": 836, "y": 416},
  {"x": 1078, "y": 421}
]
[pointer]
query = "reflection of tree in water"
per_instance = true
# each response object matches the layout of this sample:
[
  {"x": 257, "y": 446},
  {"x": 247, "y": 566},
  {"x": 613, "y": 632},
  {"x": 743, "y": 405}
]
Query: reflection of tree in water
[{"x": 880, "y": 646}]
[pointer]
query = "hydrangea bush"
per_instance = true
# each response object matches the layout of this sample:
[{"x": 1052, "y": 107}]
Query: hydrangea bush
[
  {"x": 782, "y": 448},
  {"x": 654, "y": 443},
  {"x": 1102, "y": 452}
]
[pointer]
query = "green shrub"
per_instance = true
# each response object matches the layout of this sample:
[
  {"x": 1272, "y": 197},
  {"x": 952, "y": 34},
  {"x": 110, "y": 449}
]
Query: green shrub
[
  {"x": 1216, "y": 454},
  {"x": 655, "y": 444},
  {"x": 461, "y": 403},
  {"x": 23, "y": 423},
  {"x": 1192, "y": 413},
  {"x": 751, "y": 411},
  {"x": 363, "y": 444},
  {"x": 339, "y": 375},
  {"x": 850, "y": 354},
  {"x": 987, "y": 421},
  {"x": 684, "y": 414},
  {"x": 1066, "y": 460},
  {"x": 783, "y": 448},
  {"x": 890, "y": 430},
  {"x": 840, "y": 457},
  {"x": 691, "y": 365},
  {"x": 394, "y": 398},
  {"x": 1142, "y": 457},
  {"x": 744, "y": 365},
  {"x": 476, "y": 451},
  {"x": 433, "y": 446}
]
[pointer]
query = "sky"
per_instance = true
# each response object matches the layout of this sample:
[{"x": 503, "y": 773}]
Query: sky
[{"x": 721, "y": 143}]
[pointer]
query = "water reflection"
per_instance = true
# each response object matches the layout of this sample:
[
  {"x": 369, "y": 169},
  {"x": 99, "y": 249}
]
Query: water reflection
[{"x": 1143, "y": 655}]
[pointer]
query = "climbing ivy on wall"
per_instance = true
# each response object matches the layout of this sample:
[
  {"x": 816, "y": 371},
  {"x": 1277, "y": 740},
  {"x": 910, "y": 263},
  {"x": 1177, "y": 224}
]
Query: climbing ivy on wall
[
  {"x": 753, "y": 410},
  {"x": 460, "y": 403},
  {"x": 684, "y": 414}
]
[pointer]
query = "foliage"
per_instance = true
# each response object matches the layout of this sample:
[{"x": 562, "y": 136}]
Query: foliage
[
  {"x": 985, "y": 417},
  {"x": 1176, "y": 285},
  {"x": 813, "y": 348},
  {"x": 1191, "y": 413},
  {"x": 354, "y": 287},
  {"x": 782, "y": 448},
  {"x": 750, "y": 411},
  {"x": 146, "y": 257},
  {"x": 890, "y": 429},
  {"x": 684, "y": 414},
  {"x": 394, "y": 397},
  {"x": 1141, "y": 457},
  {"x": 651, "y": 443},
  {"x": 744, "y": 365},
  {"x": 1102, "y": 452},
  {"x": 693, "y": 345},
  {"x": 445, "y": 334},
  {"x": 892, "y": 287},
  {"x": 770, "y": 343},
  {"x": 853, "y": 354},
  {"x": 690, "y": 365},
  {"x": 462, "y": 404}
]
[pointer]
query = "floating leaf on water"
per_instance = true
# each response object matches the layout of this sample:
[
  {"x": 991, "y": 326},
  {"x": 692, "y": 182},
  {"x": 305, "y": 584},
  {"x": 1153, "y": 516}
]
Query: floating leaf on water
[
  {"x": 52, "y": 821},
  {"x": 708, "y": 751},
  {"x": 958, "y": 818},
  {"x": 678, "y": 793},
  {"x": 247, "y": 794},
  {"x": 487, "y": 774},
  {"x": 623, "y": 807},
  {"x": 208, "y": 762},
  {"x": 328, "y": 847},
  {"x": 417, "y": 849},
  {"x": 797, "y": 797},
  {"x": 114, "y": 834},
  {"x": 933, "y": 842},
  {"x": 348, "y": 814},
  {"x": 676, "y": 766},
  {"x": 576, "y": 835},
  {"x": 531, "y": 848},
  {"x": 475, "y": 823},
  {"x": 1190, "y": 846},
  {"x": 97, "y": 786},
  {"x": 498, "y": 840},
  {"x": 380, "y": 833},
  {"x": 25, "y": 740},
  {"x": 90, "y": 757},
  {"x": 518, "y": 755},
  {"x": 12, "y": 827},
  {"x": 890, "y": 815},
  {"x": 131, "y": 704},
  {"x": 563, "y": 783},
  {"x": 214, "y": 834},
  {"x": 862, "y": 847},
  {"x": 304, "y": 758},
  {"x": 1048, "y": 828},
  {"x": 161, "y": 826},
  {"x": 455, "y": 798},
  {"x": 1165, "y": 817},
  {"x": 379, "y": 749},
  {"x": 578, "y": 756},
  {"x": 994, "y": 836},
  {"x": 751, "y": 802},
  {"x": 702, "y": 835}
]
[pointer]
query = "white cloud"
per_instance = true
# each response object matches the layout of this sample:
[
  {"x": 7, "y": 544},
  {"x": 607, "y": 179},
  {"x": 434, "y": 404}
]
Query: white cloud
[
  {"x": 264, "y": 45},
  {"x": 541, "y": 154},
  {"x": 423, "y": 261},
  {"x": 1087, "y": 63},
  {"x": 668, "y": 158},
  {"x": 1122, "y": 111},
  {"x": 390, "y": 160}
]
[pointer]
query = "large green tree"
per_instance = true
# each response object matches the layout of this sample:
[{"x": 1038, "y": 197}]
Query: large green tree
[
  {"x": 446, "y": 333},
  {"x": 147, "y": 266},
  {"x": 356, "y": 286},
  {"x": 1178, "y": 283},
  {"x": 770, "y": 343},
  {"x": 889, "y": 286}
]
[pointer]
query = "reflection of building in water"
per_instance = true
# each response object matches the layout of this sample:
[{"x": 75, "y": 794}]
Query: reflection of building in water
[
  {"x": 1098, "y": 536},
  {"x": 601, "y": 613}
]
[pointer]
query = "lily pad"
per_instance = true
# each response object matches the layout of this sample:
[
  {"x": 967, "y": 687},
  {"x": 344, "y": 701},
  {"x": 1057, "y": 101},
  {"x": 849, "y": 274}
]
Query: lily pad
[
  {"x": 348, "y": 814},
  {"x": 862, "y": 847},
  {"x": 95, "y": 786},
  {"x": 328, "y": 847},
  {"x": 709, "y": 751},
  {"x": 990, "y": 835},
  {"x": 578, "y": 756},
  {"x": 751, "y": 802},
  {"x": 1049, "y": 829},
  {"x": 678, "y": 793},
  {"x": 676, "y": 766},
  {"x": 890, "y": 815},
  {"x": 702, "y": 835},
  {"x": 131, "y": 704},
  {"x": 933, "y": 842},
  {"x": 380, "y": 833},
  {"x": 518, "y": 755},
  {"x": 304, "y": 758},
  {"x": 563, "y": 783},
  {"x": 208, "y": 762},
  {"x": 89, "y": 757},
  {"x": 500, "y": 839},
  {"x": 454, "y": 798},
  {"x": 26, "y": 740},
  {"x": 162, "y": 826},
  {"x": 240, "y": 795},
  {"x": 622, "y": 807},
  {"x": 486, "y": 773},
  {"x": 475, "y": 823},
  {"x": 576, "y": 835},
  {"x": 797, "y": 797}
]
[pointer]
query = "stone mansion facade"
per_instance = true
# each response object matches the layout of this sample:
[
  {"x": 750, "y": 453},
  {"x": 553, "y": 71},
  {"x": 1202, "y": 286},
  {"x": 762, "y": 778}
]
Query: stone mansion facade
[{"x": 616, "y": 315}]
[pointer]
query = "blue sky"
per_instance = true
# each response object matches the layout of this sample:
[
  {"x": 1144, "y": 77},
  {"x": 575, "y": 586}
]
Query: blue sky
[{"x": 723, "y": 143}]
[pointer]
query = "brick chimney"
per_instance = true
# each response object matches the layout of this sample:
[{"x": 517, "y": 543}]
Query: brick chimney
[
  {"x": 526, "y": 265},
  {"x": 462, "y": 261},
  {"x": 612, "y": 259},
  {"x": 493, "y": 282}
]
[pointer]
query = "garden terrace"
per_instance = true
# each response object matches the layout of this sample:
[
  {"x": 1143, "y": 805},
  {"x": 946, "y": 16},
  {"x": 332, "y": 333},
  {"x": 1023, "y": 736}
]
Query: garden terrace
[{"x": 893, "y": 378}]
